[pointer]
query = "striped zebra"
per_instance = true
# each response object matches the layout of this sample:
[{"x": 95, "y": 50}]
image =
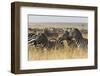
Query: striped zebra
[
  {"x": 31, "y": 39},
  {"x": 43, "y": 42},
  {"x": 31, "y": 36},
  {"x": 76, "y": 35},
  {"x": 71, "y": 43}
]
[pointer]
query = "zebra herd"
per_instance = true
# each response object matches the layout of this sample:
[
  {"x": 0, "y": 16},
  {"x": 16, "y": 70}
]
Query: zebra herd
[{"x": 72, "y": 36}]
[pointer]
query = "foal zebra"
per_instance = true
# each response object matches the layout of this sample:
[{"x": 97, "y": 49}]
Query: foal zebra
[{"x": 76, "y": 35}]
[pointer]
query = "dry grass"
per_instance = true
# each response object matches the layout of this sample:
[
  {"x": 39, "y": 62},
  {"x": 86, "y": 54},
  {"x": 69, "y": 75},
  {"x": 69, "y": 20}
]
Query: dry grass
[{"x": 66, "y": 53}]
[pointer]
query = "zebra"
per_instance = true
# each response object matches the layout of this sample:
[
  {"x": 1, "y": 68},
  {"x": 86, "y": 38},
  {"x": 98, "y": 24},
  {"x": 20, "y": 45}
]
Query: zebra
[
  {"x": 71, "y": 43},
  {"x": 31, "y": 36},
  {"x": 76, "y": 35},
  {"x": 43, "y": 42},
  {"x": 31, "y": 39}
]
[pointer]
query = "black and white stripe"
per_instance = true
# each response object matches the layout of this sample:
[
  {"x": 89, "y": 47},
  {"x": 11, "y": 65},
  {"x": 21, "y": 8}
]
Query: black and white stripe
[{"x": 76, "y": 35}]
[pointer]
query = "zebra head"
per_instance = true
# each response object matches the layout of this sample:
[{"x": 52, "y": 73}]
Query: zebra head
[
  {"x": 41, "y": 38},
  {"x": 65, "y": 36},
  {"x": 74, "y": 33},
  {"x": 76, "y": 36}
]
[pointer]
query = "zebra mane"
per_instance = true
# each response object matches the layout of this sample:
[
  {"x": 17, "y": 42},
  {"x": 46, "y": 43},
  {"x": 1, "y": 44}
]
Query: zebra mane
[{"x": 79, "y": 34}]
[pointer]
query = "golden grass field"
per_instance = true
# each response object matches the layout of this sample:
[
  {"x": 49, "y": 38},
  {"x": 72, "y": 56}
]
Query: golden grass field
[{"x": 66, "y": 53}]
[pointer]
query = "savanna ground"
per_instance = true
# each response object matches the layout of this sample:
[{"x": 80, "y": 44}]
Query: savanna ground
[{"x": 65, "y": 53}]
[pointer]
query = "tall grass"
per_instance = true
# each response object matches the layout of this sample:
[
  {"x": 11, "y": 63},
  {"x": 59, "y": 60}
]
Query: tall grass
[{"x": 65, "y": 53}]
